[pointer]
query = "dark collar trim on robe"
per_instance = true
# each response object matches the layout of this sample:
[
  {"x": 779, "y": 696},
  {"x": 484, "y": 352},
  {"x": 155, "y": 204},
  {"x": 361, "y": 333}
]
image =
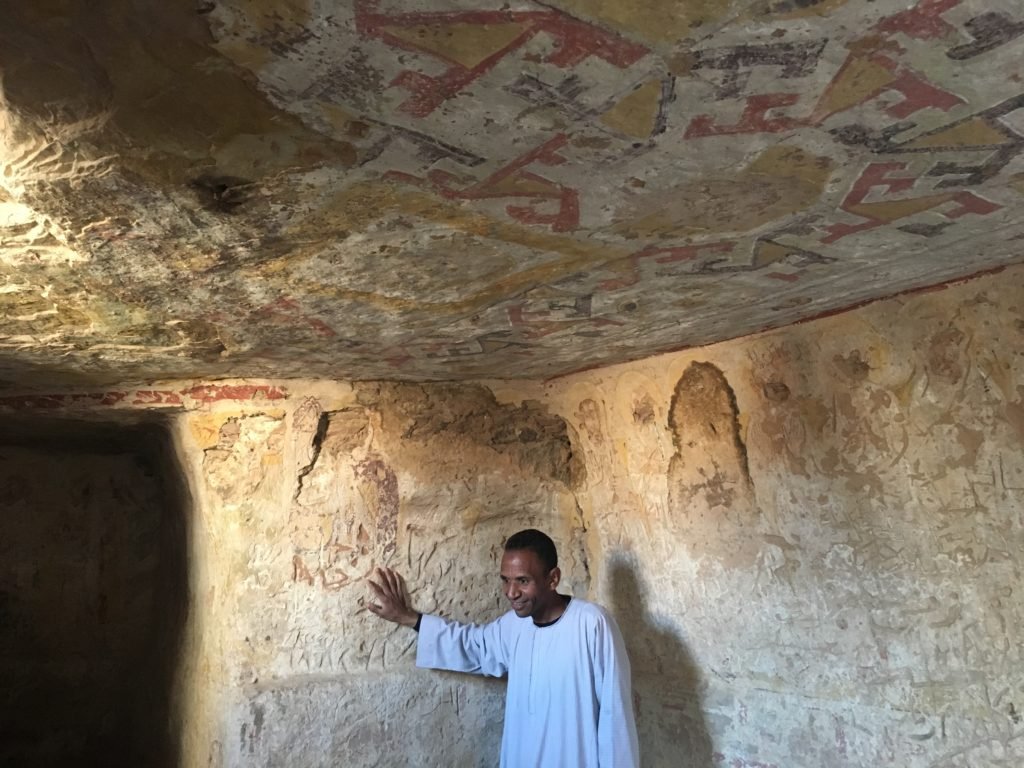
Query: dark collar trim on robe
[{"x": 552, "y": 623}]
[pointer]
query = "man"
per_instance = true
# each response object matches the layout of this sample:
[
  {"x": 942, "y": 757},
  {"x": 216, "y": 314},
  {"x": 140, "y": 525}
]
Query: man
[{"x": 568, "y": 703}]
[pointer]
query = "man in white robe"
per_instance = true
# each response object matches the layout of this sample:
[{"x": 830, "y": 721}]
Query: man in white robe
[{"x": 569, "y": 702}]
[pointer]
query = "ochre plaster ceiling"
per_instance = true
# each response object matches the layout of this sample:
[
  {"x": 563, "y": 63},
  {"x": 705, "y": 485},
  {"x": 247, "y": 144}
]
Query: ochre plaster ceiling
[{"x": 452, "y": 190}]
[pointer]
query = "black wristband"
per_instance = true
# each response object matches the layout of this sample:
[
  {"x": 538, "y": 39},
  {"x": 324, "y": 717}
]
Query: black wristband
[{"x": 418, "y": 620}]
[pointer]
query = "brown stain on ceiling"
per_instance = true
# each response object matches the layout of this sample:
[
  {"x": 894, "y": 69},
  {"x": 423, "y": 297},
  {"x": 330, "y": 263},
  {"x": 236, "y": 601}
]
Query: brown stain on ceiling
[
  {"x": 168, "y": 105},
  {"x": 669, "y": 21},
  {"x": 665, "y": 21},
  {"x": 263, "y": 19},
  {"x": 366, "y": 206},
  {"x": 792, "y": 9},
  {"x": 466, "y": 44},
  {"x": 779, "y": 182},
  {"x": 432, "y": 191}
]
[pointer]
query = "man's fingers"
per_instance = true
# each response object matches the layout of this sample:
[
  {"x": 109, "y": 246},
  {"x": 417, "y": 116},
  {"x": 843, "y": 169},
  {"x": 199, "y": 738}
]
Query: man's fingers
[
  {"x": 385, "y": 580},
  {"x": 390, "y": 599},
  {"x": 393, "y": 581},
  {"x": 384, "y": 586}
]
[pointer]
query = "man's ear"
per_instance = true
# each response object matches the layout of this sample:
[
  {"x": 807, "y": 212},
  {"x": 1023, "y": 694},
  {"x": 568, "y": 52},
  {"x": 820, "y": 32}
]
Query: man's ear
[{"x": 555, "y": 576}]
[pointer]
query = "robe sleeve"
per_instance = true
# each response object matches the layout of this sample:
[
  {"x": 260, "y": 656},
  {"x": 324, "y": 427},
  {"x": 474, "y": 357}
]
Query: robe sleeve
[
  {"x": 617, "y": 742},
  {"x": 479, "y": 649}
]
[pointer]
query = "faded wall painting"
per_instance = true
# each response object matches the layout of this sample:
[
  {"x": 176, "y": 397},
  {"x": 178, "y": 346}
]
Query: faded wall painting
[
  {"x": 307, "y": 498},
  {"x": 454, "y": 191},
  {"x": 811, "y": 538},
  {"x": 817, "y": 549}
]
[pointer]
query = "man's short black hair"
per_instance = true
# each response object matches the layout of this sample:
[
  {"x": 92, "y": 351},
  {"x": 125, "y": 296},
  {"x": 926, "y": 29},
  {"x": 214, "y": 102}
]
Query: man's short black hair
[{"x": 535, "y": 541}]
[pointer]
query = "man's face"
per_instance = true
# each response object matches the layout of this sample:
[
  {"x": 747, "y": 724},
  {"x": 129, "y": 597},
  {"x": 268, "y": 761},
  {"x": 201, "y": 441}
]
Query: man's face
[{"x": 528, "y": 585}]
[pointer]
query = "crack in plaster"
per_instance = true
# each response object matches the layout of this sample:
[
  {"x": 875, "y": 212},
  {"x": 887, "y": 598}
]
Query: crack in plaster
[{"x": 322, "y": 425}]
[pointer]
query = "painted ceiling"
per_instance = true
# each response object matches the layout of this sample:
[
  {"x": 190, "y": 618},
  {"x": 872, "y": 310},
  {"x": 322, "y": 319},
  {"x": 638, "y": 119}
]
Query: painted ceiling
[{"x": 476, "y": 189}]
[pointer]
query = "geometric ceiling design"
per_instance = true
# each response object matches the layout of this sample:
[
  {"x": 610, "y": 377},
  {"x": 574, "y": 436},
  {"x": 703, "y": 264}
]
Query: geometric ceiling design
[{"x": 457, "y": 190}]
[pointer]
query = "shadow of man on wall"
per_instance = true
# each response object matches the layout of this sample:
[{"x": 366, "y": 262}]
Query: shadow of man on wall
[{"x": 666, "y": 681}]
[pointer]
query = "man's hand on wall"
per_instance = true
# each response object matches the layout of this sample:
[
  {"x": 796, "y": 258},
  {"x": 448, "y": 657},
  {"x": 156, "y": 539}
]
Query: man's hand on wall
[{"x": 391, "y": 599}]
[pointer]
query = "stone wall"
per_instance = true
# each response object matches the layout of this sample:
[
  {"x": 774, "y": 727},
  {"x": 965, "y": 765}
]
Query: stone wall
[
  {"x": 814, "y": 538},
  {"x": 299, "y": 499}
]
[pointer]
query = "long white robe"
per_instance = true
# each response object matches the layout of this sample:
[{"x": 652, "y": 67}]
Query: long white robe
[{"x": 569, "y": 698}]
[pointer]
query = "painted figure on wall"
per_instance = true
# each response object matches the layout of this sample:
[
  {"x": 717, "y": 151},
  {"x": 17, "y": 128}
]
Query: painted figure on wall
[{"x": 569, "y": 698}]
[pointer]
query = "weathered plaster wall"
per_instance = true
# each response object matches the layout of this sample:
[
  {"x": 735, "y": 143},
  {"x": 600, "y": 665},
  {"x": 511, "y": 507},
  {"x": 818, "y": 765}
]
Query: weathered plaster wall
[
  {"x": 298, "y": 499},
  {"x": 92, "y": 600},
  {"x": 814, "y": 538}
]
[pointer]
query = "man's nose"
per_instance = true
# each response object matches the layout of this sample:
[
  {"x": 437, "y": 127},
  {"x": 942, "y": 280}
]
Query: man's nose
[{"x": 511, "y": 591}]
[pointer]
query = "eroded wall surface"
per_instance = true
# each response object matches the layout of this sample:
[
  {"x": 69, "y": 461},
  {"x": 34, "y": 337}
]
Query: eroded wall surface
[
  {"x": 300, "y": 498},
  {"x": 814, "y": 538}
]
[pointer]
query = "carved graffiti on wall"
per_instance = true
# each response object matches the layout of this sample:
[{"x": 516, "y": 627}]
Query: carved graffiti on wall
[{"x": 345, "y": 507}]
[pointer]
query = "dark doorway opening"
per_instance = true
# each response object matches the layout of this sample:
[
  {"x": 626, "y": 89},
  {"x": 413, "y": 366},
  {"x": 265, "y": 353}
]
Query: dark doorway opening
[{"x": 93, "y": 592}]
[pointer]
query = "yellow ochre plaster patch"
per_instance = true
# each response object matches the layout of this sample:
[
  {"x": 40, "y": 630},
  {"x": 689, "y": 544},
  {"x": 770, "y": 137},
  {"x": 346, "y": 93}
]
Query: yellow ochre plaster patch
[
  {"x": 636, "y": 113},
  {"x": 781, "y": 181},
  {"x": 465, "y": 44}
]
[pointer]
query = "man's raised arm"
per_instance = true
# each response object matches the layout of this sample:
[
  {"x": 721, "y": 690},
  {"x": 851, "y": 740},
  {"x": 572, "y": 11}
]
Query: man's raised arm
[{"x": 442, "y": 644}]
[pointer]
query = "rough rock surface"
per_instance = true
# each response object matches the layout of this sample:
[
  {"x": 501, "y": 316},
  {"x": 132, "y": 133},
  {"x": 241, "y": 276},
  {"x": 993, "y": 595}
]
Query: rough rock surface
[
  {"x": 814, "y": 536},
  {"x": 446, "y": 190},
  {"x": 812, "y": 540}
]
